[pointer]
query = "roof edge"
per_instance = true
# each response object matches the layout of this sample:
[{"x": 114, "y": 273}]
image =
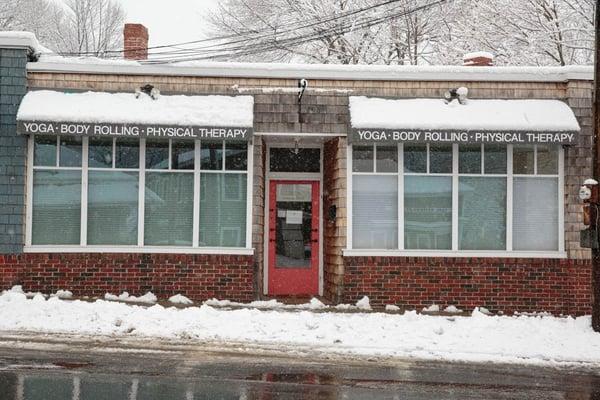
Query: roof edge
[{"x": 324, "y": 71}]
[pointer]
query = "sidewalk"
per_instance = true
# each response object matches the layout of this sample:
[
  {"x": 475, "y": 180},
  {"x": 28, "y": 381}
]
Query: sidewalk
[{"x": 531, "y": 340}]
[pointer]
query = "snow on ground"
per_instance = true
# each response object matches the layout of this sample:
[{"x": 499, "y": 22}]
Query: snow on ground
[
  {"x": 480, "y": 338},
  {"x": 180, "y": 299}
]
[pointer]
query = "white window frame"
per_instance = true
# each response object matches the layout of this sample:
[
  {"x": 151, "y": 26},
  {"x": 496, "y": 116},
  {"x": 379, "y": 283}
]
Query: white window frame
[
  {"x": 140, "y": 247},
  {"x": 455, "y": 252}
]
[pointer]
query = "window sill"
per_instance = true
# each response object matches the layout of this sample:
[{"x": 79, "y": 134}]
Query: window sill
[
  {"x": 457, "y": 254},
  {"x": 134, "y": 249}
]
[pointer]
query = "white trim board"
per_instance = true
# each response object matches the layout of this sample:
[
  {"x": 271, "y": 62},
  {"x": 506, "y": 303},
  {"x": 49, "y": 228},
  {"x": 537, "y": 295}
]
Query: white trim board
[
  {"x": 456, "y": 254},
  {"x": 136, "y": 249}
]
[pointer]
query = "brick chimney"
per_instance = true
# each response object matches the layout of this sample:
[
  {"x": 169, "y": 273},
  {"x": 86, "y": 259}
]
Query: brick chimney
[
  {"x": 478, "y": 59},
  {"x": 135, "y": 38}
]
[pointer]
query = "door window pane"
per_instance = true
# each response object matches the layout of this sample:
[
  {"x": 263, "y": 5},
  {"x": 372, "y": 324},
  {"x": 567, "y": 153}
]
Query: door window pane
[
  {"x": 375, "y": 212},
  {"x": 222, "y": 210},
  {"x": 56, "y": 207},
  {"x": 362, "y": 158},
  {"x": 100, "y": 153},
  {"x": 387, "y": 159},
  {"x": 45, "y": 151},
  {"x": 415, "y": 158},
  {"x": 428, "y": 212},
  {"x": 157, "y": 154},
  {"x": 482, "y": 213},
  {"x": 494, "y": 159},
  {"x": 183, "y": 155},
  {"x": 169, "y": 205},
  {"x": 469, "y": 159},
  {"x": 70, "y": 152},
  {"x": 293, "y": 226},
  {"x": 112, "y": 207},
  {"x": 523, "y": 160},
  {"x": 127, "y": 153},
  {"x": 535, "y": 214},
  {"x": 46, "y": 388},
  {"x": 211, "y": 155},
  {"x": 547, "y": 160},
  {"x": 294, "y": 160},
  {"x": 440, "y": 158}
]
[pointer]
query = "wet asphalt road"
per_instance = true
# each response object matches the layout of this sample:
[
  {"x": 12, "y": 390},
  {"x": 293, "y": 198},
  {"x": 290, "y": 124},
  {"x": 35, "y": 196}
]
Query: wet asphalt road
[{"x": 92, "y": 375}]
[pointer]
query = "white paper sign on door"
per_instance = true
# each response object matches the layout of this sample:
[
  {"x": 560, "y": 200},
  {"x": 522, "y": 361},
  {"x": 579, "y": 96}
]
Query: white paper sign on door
[{"x": 293, "y": 217}]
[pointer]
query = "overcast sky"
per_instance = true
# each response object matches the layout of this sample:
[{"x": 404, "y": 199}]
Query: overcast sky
[{"x": 169, "y": 21}]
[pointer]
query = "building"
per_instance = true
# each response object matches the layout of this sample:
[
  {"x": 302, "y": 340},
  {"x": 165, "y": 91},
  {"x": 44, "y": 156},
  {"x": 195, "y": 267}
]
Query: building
[{"x": 240, "y": 181}]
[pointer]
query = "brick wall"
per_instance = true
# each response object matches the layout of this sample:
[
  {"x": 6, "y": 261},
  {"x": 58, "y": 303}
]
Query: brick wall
[
  {"x": 13, "y": 85},
  {"x": 198, "y": 277},
  {"x": 334, "y": 235},
  {"x": 559, "y": 286}
]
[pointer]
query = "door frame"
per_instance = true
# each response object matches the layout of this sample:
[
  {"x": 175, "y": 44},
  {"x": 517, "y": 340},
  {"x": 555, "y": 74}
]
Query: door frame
[{"x": 290, "y": 176}]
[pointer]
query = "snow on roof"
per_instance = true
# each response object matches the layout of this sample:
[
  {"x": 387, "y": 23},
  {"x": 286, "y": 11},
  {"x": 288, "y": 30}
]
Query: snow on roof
[
  {"x": 54, "y": 63},
  {"x": 21, "y": 39},
  {"x": 478, "y": 54},
  {"x": 488, "y": 115},
  {"x": 102, "y": 107}
]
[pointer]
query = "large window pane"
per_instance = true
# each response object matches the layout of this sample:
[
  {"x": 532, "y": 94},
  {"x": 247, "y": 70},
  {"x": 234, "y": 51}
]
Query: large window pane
[
  {"x": 440, "y": 158},
  {"x": 222, "y": 210},
  {"x": 157, "y": 154},
  {"x": 494, "y": 159},
  {"x": 362, "y": 158},
  {"x": 547, "y": 160},
  {"x": 169, "y": 205},
  {"x": 100, "y": 152},
  {"x": 211, "y": 155},
  {"x": 387, "y": 159},
  {"x": 523, "y": 160},
  {"x": 535, "y": 214},
  {"x": 375, "y": 212},
  {"x": 415, "y": 158},
  {"x": 112, "y": 207},
  {"x": 428, "y": 212},
  {"x": 127, "y": 153},
  {"x": 70, "y": 151},
  {"x": 56, "y": 207},
  {"x": 469, "y": 159},
  {"x": 236, "y": 156},
  {"x": 45, "y": 151},
  {"x": 482, "y": 213}
]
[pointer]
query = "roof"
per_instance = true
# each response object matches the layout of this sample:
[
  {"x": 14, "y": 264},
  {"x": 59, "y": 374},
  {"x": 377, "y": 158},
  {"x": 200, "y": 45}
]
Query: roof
[
  {"x": 125, "y": 108},
  {"x": 314, "y": 71},
  {"x": 484, "y": 115}
]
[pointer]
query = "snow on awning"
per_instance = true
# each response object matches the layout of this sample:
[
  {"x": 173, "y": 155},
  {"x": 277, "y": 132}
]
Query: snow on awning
[
  {"x": 376, "y": 120},
  {"x": 124, "y": 115}
]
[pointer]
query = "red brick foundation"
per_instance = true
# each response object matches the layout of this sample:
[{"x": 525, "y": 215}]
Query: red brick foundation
[
  {"x": 557, "y": 286},
  {"x": 198, "y": 277}
]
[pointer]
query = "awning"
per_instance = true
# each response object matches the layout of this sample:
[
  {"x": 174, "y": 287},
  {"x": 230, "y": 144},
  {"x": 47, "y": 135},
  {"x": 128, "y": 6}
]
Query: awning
[
  {"x": 377, "y": 120},
  {"x": 124, "y": 115}
]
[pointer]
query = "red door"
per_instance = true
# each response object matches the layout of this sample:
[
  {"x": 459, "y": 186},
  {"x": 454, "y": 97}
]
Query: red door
[{"x": 293, "y": 238}]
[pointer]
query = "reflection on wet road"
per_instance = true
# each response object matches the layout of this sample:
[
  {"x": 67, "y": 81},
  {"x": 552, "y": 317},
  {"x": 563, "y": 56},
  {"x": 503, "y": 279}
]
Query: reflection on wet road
[{"x": 30, "y": 375}]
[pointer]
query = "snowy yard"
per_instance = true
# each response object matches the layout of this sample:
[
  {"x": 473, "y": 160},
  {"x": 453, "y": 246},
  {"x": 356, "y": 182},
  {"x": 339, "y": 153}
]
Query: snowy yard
[{"x": 541, "y": 340}]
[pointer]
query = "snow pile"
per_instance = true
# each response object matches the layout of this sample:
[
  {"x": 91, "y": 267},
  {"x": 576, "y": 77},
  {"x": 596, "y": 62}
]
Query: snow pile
[
  {"x": 481, "y": 338},
  {"x": 391, "y": 307},
  {"x": 363, "y": 304},
  {"x": 313, "y": 304},
  {"x": 484, "y": 115},
  {"x": 63, "y": 294},
  {"x": 180, "y": 299},
  {"x": 453, "y": 310},
  {"x": 125, "y": 108},
  {"x": 432, "y": 308},
  {"x": 148, "y": 298}
]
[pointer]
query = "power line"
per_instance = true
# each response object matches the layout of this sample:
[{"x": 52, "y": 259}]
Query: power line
[{"x": 297, "y": 40}]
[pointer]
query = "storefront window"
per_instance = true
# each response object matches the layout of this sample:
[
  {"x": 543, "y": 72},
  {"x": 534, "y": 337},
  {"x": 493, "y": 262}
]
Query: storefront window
[
  {"x": 178, "y": 199},
  {"x": 457, "y": 197}
]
